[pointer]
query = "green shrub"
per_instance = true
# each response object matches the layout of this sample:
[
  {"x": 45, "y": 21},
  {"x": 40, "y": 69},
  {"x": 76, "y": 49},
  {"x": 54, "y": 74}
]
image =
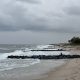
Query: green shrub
[{"x": 74, "y": 40}]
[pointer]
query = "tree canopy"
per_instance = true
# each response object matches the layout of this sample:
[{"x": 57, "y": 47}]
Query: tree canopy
[{"x": 75, "y": 40}]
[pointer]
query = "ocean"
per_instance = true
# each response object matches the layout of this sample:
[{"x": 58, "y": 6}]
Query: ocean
[{"x": 31, "y": 68}]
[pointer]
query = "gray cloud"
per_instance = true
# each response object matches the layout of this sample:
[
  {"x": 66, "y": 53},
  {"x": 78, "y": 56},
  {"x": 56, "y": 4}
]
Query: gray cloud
[
  {"x": 47, "y": 22},
  {"x": 30, "y": 1},
  {"x": 73, "y": 10},
  {"x": 15, "y": 15}
]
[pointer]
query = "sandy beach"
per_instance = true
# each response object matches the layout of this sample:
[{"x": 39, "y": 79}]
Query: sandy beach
[{"x": 69, "y": 71}]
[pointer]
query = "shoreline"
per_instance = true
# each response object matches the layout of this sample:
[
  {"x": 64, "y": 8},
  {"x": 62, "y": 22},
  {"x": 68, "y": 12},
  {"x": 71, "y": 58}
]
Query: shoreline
[
  {"x": 47, "y": 76},
  {"x": 31, "y": 73},
  {"x": 68, "y": 71}
]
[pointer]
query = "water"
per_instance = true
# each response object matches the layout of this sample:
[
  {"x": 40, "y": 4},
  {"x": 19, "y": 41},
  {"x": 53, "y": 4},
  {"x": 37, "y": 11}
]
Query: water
[
  {"x": 6, "y": 50},
  {"x": 33, "y": 66}
]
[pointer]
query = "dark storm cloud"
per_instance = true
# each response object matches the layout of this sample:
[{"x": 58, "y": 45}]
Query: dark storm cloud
[
  {"x": 15, "y": 16},
  {"x": 27, "y": 21},
  {"x": 48, "y": 16}
]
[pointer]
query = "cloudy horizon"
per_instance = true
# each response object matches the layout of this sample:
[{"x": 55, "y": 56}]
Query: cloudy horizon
[{"x": 38, "y": 21}]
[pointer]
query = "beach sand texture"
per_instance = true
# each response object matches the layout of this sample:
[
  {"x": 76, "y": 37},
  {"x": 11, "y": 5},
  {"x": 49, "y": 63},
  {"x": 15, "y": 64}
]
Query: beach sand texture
[{"x": 69, "y": 71}]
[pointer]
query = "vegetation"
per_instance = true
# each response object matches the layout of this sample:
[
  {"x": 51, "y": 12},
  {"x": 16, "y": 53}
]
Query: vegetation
[{"x": 75, "y": 41}]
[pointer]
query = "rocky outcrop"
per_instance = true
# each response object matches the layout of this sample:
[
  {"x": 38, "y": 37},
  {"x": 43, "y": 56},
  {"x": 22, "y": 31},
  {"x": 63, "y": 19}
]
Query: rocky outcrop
[{"x": 61, "y": 56}]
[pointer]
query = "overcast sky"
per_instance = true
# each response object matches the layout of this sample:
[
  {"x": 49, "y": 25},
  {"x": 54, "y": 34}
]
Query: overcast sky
[{"x": 39, "y": 21}]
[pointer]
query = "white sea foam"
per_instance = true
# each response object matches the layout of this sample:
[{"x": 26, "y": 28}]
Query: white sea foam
[
  {"x": 46, "y": 53},
  {"x": 11, "y": 64},
  {"x": 42, "y": 46},
  {"x": 30, "y": 53},
  {"x": 5, "y": 55},
  {"x": 26, "y": 49},
  {"x": 7, "y": 64}
]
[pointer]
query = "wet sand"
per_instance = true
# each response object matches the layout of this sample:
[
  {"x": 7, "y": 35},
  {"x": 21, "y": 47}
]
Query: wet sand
[
  {"x": 69, "y": 71},
  {"x": 33, "y": 72}
]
